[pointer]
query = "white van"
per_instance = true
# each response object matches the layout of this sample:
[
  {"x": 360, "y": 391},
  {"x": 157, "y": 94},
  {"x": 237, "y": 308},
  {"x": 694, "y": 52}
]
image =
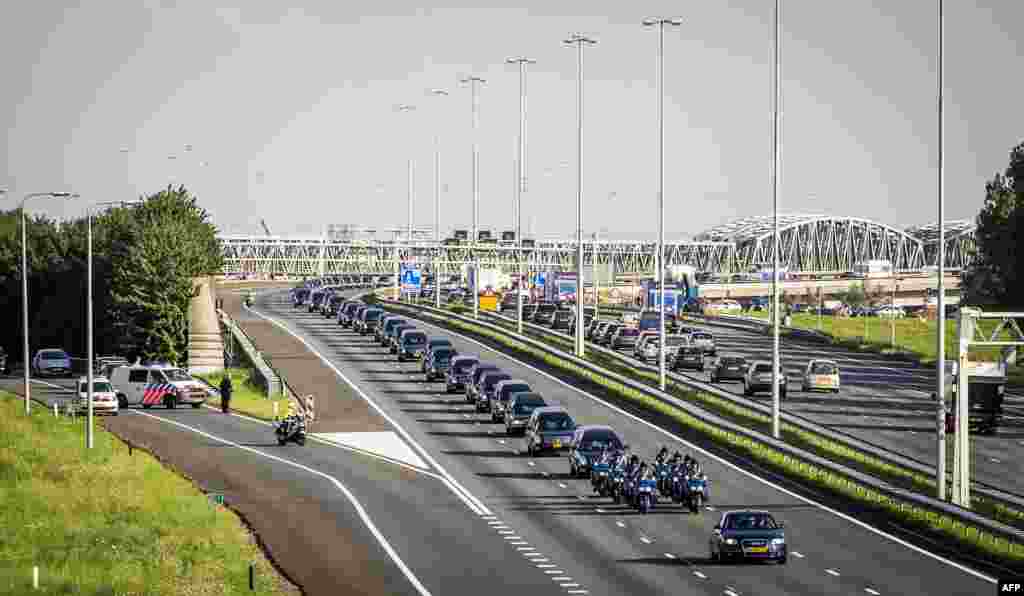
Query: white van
[{"x": 149, "y": 385}]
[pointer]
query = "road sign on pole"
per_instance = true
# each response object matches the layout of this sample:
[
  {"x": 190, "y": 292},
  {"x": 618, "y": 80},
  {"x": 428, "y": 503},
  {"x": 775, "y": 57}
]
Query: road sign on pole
[{"x": 410, "y": 279}]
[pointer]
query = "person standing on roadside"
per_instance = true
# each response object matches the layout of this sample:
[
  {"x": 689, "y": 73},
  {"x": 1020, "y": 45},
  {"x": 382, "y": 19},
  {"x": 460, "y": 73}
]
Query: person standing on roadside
[{"x": 225, "y": 393}]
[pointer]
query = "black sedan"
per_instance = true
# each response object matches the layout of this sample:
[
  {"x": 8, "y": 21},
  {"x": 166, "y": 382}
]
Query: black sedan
[
  {"x": 689, "y": 357},
  {"x": 748, "y": 535},
  {"x": 728, "y": 368},
  {"x": 588, "y": 444}
]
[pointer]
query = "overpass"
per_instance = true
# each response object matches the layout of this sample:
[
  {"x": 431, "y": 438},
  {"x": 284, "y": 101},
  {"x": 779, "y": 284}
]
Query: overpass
[{"x": 809, "y": 244}]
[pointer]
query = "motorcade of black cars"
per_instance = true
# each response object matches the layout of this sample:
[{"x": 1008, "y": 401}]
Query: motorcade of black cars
[
  {"x": 549, "y": 429},
  {"x": 476, "y": 372}
]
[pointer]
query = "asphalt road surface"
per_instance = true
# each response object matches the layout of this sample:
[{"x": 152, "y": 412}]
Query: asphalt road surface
[
  {"x": 886, "y": 403},
  {"x": 586, "y": 544}
]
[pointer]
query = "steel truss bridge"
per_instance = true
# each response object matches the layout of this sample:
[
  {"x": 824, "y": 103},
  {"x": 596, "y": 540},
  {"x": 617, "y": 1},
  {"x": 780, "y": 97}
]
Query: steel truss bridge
[{"x": 808, "y": 244}]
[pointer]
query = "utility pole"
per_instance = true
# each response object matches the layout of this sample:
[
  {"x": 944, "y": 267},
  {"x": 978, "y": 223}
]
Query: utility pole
[
  {"x": 776, "y": 360},
  {"x": 437, "y": 203},
  {"x": 579, "y": 40},
  {"x": 660, "y": 23},
  {"x": 406, "y": 108},
  {"x": 940, "y": 361},
  {"x": 474, "y": 82},
  {"x": 520, "y": 185}
]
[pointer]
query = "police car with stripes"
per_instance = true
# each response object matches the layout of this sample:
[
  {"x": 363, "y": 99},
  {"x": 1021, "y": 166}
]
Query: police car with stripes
[{"x": 156, "y": 383}]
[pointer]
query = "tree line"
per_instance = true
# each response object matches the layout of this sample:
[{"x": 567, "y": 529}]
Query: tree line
[
  {"x": 145, "y": 257},
  {"x": 993, "y": 279}
]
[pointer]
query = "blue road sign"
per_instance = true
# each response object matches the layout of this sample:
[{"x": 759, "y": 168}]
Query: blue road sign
[{"x": 410, "y": 278}]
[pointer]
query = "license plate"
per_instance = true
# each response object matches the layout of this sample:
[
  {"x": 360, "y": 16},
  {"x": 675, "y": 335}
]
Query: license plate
[
  {"x": 556, "y": 444},
  {"x": 757, "y": 549}
]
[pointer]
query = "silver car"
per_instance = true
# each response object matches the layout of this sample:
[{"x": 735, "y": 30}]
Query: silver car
[{"x": 53, "y": 361}]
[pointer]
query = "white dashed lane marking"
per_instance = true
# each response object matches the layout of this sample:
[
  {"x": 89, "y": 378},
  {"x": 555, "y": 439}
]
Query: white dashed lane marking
[
  {"x": 832, "y": 572},
  {"x": 798, "y": 555},
  {"x": 872, "y": 592},
  {"x": 700, "y": 575},
  {"x": 645, "y": 540},
  {"x": 669, "y": 556},
  {"x": 620, "y": 524}
]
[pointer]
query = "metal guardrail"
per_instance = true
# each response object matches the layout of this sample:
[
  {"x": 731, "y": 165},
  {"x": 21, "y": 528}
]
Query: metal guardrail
[
  {"x": 895, "y": 493},
  {"x": 274, "y": 383},
  {"x": 855, "y": 443}
]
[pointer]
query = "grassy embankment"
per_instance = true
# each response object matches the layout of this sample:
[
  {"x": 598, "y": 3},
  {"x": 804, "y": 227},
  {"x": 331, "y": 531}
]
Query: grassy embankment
[
  {"x": 938, "y": 525},
  {"x": 247, "y": 398},
  {"x": 106, "y": 522}
]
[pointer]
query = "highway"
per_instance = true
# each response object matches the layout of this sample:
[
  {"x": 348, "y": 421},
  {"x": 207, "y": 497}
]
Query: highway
[
  {"x": 599, "y": 547},
  {"x": 884, "y": 402}
]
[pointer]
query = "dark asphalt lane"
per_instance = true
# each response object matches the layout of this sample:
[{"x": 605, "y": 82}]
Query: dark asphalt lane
[
  {"x": 606, "y": 548},
  {"x": 448, "y": 548}
]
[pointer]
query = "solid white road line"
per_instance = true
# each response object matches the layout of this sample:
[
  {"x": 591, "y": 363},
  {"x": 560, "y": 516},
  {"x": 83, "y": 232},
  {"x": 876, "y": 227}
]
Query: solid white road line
[
  {"x": 341, "y": 487},
  {"x": 726, "y": 463},
  {"x": 348, "y": 448},
  {"x": 475, "y": 504}
]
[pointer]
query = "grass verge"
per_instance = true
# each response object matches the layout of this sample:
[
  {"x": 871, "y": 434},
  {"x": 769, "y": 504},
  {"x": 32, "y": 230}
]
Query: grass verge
[
  {"x": 970, "y": 541},
  {"x": 106, "y": 522},
  {"x": 247, "y": 398}
]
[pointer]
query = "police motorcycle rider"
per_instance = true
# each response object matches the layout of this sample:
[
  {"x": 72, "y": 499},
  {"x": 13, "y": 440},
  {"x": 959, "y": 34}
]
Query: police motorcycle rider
[
  {"x": 617, "y": 474},
  {"x": 632, "y": 476},
  {"x": 607, "y": 458},
  {"x": 661, "y": 466},
  {"x": 673, "y": 466},
  {"x": 292, "y": 427}
]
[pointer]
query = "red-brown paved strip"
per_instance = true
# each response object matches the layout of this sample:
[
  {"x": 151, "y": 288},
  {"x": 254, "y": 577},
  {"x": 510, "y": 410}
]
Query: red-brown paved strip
[{"x": 338, "y": 407}]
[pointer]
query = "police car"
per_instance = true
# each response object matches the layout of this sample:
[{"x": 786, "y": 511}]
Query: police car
[
  {"x": 104, "y": 399},
  {"x": 150, "y": 384}
]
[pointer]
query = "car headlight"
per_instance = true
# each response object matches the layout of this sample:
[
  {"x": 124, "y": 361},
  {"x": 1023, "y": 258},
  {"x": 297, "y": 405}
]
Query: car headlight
[
  {"x": 730, "y": 541},
  {"x": 778, "y": 541}
]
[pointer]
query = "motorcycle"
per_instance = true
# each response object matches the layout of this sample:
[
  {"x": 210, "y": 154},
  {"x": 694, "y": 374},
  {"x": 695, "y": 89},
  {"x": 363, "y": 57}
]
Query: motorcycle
[
  {"x": 662, "y": 471},
  {"x": 696, "y": 492},
  {"x": 292, "y": 428},
  {"x": 599, "y": 477},
  {"x": 616, "y": 479},
  {"x": 645, "y": 494}
]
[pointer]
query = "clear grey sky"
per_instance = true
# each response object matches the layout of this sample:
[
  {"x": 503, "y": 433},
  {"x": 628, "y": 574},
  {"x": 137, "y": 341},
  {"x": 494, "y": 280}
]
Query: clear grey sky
[{"x": 289, "y": 111}]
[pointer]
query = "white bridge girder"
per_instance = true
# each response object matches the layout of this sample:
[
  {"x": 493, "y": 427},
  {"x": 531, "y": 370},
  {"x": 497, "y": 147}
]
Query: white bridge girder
[{"x": 316, "y": 256}]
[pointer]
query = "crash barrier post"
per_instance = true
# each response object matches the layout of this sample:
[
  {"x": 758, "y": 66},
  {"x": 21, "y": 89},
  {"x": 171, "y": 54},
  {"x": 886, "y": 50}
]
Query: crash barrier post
[
  {"x": 35, "y": 577},
  {"x": 797, "y": 421},
  {"x": 927, "y": 505},
  {"x": 271, "y": 380}
]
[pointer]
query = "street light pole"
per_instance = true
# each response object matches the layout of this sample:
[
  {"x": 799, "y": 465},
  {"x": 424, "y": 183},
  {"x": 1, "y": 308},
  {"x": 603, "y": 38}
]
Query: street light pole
[
  {"x": 24, "y": 286},
  {"x": 474, "y": 81},
  {"x": 777, "y": 92},
  {"x": 520, "y": 185},
  {"x": 89, "y": 322},
  {"x": 579, "y": 40},
  {"x": 660, "y": 22},
  {"x": 940, "y": 362},
  {"x": 437, "y": 203},
  {"x": 398, "y": 259}
]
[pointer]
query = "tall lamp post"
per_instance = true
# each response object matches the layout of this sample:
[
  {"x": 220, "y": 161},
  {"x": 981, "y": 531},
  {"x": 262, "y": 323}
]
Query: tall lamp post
[
  {"x": 404, "y": 108},
  {"x": 940, "y": 362},
  {"x": 89, "y": 331},
  {"x": 474, "y": 83},
  {"x": 24, "y": 284},
  {"x": 520, "y": 184},
  {"x": 777, "y": 94},
  {"x": 579, "y": 40},
  {"x": 660, "y": 23},
  {"x": 437, "y": 201}
]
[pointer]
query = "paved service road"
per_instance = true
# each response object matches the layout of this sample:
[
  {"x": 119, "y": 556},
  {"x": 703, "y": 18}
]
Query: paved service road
[{"x": 601, "y": 547}]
